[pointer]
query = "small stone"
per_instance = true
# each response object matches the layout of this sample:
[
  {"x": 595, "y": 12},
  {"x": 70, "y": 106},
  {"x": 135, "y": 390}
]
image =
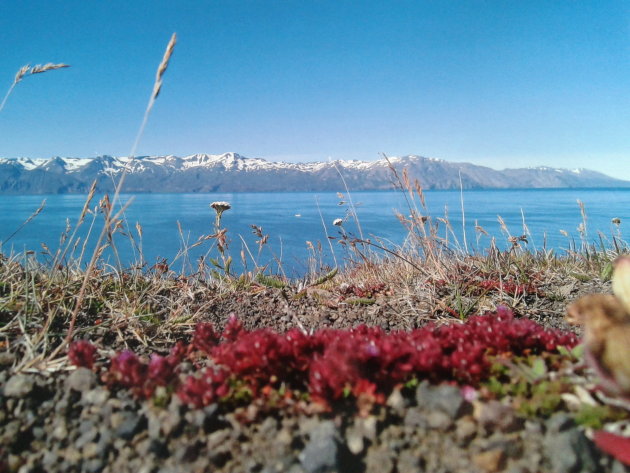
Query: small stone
[
  {"x": 126, "y": 424},
  {"x": 559, "y": 422},
  {"x": 444, "y": 398},
  {"x": 415, "y": 418},
  {"x": 362, "y": 428},
  {"x": 408, "y": 462},
  {"x": 379, "y": 460},
  {"x": 94, "y": 465},
  {"x": 38, "y": 433},
  {"x": 284, "y": 437},
  {"x": 367, "y": 425},
  {"x": 320, "y": 453},
  {"x": 354, "y": 440},
  {"x": 490, "y": 461},
  {"x": 88, "y": 434},
  {"x": 494, "y": 415},
  {"x": 95, "y": 397},
  {"x": 439, "y": 420},
  {"x": 60, "y": 431},
  {"x": 72, "y": 455},
  {"x": 81, "y": 380},
  {"x": 465, "y": 430},
  {"x": 90, "y": 450},
  {"x": 397, "y": 402},
  {"x": 14, "y": 462},
  {"x": 49, "y": 460},
  {"x": 18, "y": 386},
  {"x": 6, "y": 358},
  {"x": 217, "y": 441},
  {"x": 570, "y": 451}
]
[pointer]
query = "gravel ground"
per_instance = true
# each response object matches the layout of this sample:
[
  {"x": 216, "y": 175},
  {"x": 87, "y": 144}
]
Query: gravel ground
[
  {"x": 67, "y": 421},
  {"x": 70, "y": 423}
]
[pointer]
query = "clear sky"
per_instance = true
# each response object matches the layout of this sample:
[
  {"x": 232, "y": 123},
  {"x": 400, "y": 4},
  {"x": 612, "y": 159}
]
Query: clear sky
[{"x": 499, "y": 83}]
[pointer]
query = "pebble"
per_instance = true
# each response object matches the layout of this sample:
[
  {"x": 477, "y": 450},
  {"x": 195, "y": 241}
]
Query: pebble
[
  {"x": 81, "y": 379},
  {"x": 494, "y": 415},
  {"x": 397, "y": 402},
  {"x": 570, "y": 451},
  {"x": 19, "y": 386},
  {"x": 361, "y": 429},
  {"x": 125, "y": 423},
  {"x": 60, "y": 429},
  {"x": 490, "y": 461},
  {"x": 320, "y": 453},
  {"x": 445, "y": 398},
  {"x": 439, "y": 420},
  {"x": 95, "y": 397},
  {"x": 408, "y": 462},
  {"x": 379, "y": 460},
  {"x": 415, "y": 418},
  {"x": 6, "y": 358},
  {"x": 354, "y": 440},
  {"x": 465, "y": 430}
]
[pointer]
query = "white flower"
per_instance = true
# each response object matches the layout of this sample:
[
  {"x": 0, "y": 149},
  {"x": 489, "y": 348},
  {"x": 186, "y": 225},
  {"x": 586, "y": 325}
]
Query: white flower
[
  {"x": 220, "y": 206},
  {"x": 338, "y": 222}
]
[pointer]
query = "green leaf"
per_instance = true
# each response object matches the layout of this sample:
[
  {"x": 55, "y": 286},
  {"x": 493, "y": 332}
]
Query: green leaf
[
  {"x": 269, "y": 281},
  {"x": 578, "y": 351},
  {"x": 607, "y": 272},
  {"x": 360, "y": 301},
  {"x": 539, "y": 368},
  {"x": 326, "y": 277}
]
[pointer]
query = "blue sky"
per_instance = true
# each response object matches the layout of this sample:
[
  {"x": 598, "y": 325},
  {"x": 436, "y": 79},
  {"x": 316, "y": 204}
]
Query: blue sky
[{"x": 503, "y": 84}]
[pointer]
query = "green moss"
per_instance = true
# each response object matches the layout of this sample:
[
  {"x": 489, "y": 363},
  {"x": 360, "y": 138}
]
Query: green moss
[{"x": 596, "y": 416}]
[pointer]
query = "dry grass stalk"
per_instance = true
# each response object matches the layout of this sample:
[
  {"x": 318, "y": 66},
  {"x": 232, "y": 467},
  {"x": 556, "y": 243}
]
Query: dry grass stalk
[
  {"x": 27, "y": 69},
  {"x": 31, "y": 217},
  {"x": 109, "y": 219},
  {"x": 21, "y": 73},
  {"x": 38, "y": 69}
]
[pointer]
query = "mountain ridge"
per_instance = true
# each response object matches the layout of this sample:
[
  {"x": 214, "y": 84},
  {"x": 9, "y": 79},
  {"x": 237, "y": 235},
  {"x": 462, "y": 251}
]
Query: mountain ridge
[{"x": 231, "y": 172}]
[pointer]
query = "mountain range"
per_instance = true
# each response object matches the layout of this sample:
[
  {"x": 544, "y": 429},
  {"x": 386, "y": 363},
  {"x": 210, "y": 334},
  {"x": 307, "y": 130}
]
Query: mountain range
[{"x": 231, "y": 172}]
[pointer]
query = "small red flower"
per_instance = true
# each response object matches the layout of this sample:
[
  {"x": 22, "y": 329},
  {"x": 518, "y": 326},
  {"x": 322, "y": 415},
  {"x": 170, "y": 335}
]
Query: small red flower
[{"x": 81, "y": 353}]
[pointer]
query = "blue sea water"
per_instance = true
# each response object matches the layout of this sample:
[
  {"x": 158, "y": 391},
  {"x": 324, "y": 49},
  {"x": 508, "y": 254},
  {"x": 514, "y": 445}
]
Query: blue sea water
[{"x": 292, "y": 219}]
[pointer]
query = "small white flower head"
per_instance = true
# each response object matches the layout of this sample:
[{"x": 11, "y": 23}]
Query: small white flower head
[
  {"x": 338, "y": 222},
  {"x": 616, "y": 221},
  {"x": 220, "y": 207}
]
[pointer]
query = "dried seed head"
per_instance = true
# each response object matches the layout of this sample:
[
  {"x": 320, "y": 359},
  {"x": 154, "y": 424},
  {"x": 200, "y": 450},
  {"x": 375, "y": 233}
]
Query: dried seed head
[
  {"x": 338, "y": 222},
  {"x": 38, "y": 69},
  {"x": 21, "y": 73},
  {"x": 163, "y": 66}
]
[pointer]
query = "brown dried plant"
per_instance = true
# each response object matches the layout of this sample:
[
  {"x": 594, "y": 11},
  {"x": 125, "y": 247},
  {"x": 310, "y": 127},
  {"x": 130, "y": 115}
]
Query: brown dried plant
[
  {"x": 26, "y": 70},
  {"x": 112, "y": 220},
  {"x": 606, "y": 321}
]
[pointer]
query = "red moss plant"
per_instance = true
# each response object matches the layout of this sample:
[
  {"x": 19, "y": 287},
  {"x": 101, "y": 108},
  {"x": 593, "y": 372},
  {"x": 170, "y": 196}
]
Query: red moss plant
[
  {"x": 81, "y": 354},
  {"x": 334, "y": 366},
  {"x": 142, "y": 377}
]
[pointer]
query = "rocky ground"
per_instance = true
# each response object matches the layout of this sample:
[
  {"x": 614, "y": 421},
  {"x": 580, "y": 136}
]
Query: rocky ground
[{"x": 67, "y": 420}]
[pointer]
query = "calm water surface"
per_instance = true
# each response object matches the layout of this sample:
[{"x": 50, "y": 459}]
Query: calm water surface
[{"x": 292, "y": 219}]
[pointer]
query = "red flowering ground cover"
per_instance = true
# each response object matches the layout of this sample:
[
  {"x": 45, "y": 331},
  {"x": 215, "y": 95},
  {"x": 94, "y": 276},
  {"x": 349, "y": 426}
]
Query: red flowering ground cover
[{"x": 328, "y": 365}]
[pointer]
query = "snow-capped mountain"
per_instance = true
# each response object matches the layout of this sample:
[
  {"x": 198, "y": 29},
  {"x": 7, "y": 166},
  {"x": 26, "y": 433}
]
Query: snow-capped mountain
[{"x": 231, "y": 172}]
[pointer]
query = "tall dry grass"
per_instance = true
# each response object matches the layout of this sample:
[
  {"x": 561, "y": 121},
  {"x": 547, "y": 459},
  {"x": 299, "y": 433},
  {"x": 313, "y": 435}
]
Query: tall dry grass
[{"x": 27, "y": 70}]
